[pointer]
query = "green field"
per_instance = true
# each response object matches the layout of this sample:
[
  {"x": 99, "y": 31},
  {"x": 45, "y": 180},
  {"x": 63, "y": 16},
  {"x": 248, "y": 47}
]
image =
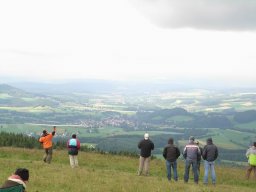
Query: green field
[{"x": 104, "y": 172}]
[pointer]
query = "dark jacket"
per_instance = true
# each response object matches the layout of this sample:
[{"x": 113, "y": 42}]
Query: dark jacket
[
  {"x": 210, "y": 151},
  {"x": 12, "y": 186},
  {"x": 73, "y": 146},
  {"x": 191, "y": 151},
  {"x": 145, "y": 147},
  {"x": 171, "y": 152}
]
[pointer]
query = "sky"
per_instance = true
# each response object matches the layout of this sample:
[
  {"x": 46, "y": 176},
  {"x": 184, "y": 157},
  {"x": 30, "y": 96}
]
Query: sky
[{"x": 128, "y": 39}]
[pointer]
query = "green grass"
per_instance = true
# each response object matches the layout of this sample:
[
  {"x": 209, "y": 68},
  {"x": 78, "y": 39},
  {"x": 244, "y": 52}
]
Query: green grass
[{"x": 104, "y": 172}]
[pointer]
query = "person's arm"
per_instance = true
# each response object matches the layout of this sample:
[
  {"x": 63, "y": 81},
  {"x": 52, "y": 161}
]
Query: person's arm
[
  {"x": 217, "y": 153},
  {"x": 54, "y": 130},
  {"x": 41, "y": 139},
  {"x": 247, "y": 153},
  {"x": 139, "y": 144},
  {"x": 198, "y": 151},
  {"x": 185, "y": 152},
  {"x": 165, "y": 152},
  {"x": 78, "y": 144},
  {"x": 204, "y": 153},
  {"x": 152, "y": 146},
  {"x": 177, "y": 152}
]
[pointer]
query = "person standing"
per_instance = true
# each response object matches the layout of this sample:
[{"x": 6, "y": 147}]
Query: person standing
[
  {"x": 46, "y": 140},
  {"x": 17, "y": 181},
  {"x": 145, "y": 146},
  {"x": 199, "y": 157},
  {"x": 251, "y": 155},
  {"x": 73, "y": 145},
  {"x": 210, "y": 154},
  {"x": 190, "y": 153},
  {"x": 171, "y": 153}
]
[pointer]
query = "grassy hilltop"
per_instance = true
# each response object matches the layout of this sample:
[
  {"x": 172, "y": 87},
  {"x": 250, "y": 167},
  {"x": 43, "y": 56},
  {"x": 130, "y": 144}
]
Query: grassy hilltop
[{"x": 104, "y": 172}]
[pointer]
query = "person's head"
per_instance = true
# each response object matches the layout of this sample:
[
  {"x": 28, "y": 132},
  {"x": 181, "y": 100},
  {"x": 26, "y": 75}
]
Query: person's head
[
  {"x": 23, "y": 173},
  {"x": 191, "y": 138},
  {"x": 146, "y": 136},
  {"x": 45, "y": 132},
  {"x": 254, "y": 144},
  {"x": 209, "y": 141},
  {"x": 170, "y": 141},
  {"x": 73, "y": 136}
]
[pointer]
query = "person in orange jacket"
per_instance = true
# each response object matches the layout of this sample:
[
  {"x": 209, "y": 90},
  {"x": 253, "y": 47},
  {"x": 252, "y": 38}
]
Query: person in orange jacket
[{"x": 46, "y": 140}]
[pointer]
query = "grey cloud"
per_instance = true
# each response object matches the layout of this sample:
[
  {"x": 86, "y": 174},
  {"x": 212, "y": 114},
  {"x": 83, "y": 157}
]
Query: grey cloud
[{"x": 202, "y": 14}]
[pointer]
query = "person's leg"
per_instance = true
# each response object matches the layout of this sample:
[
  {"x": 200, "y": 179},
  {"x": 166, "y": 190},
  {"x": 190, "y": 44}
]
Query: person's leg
[
  {"x": 168, "y": 169},
  {"x": 45, "y": 155},
  {"x": 195, "y": 171},
  {"x": 206, "y": 169},
  {"x": 213, "y": 173},
  {"x": 146, "y": 165},
  {"x": 75, "y": 160},
  {"x": 198, "y": 167},
  {"x": 254, "y": 172},
  {"x": 187, "y": 167},
  {"x": 248, "y": 172},
  {"x": 72, "y": 161},
  {"x": 141, "y": 164},
  {"x": 175, "y": 174},
  {"x": 49, "y": 156}
]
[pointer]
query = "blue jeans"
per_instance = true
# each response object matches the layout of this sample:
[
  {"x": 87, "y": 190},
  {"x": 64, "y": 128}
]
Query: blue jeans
[
  {"x": 209, "y": 165},
  {"x": 188, "y": 163},
  {"x": 169, "y": 166}
]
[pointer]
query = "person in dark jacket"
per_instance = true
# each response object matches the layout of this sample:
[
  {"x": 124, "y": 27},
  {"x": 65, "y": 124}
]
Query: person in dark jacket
[
  {"x": 73, "y": 146},
  {"x": 145, "y": 146},
  {"x": 17, "y": 181},
  {"x": 190, "y": 153},
  {"x": 199, "y": 157},
  {"x": 171, "y": 154},
  {"x": 210, "y": 154}
]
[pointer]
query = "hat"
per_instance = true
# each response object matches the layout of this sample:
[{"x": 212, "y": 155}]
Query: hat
[
  {"x": 23, "y": 173},
  {"x": 192, "y": 138},
  {"x": 146, "y": 136}
]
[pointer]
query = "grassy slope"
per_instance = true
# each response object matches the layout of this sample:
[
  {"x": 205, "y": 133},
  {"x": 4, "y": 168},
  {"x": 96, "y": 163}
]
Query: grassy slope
[{"x": 99, "y": 173}]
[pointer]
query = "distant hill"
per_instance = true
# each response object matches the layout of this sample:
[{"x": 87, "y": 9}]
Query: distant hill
[
  {"x": 110, "y": 86},
  {"x": 14, "y": 97},
  {"x": 13, "y": 91}
]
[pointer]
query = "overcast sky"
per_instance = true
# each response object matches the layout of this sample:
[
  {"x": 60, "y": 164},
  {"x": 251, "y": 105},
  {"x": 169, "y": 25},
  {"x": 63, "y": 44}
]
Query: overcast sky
[{"x": 128, "y": 39}]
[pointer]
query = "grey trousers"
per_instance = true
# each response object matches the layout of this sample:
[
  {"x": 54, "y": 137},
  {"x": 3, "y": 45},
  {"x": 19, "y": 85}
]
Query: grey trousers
[{"x": 144, "y": 165}]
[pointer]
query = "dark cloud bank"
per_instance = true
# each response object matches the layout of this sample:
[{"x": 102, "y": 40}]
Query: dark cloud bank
[{"x": 200, "y": 14}]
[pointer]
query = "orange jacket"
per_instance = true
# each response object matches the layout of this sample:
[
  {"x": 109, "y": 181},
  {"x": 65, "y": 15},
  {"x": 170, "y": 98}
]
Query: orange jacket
[{"x": 46, "y": 140}]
